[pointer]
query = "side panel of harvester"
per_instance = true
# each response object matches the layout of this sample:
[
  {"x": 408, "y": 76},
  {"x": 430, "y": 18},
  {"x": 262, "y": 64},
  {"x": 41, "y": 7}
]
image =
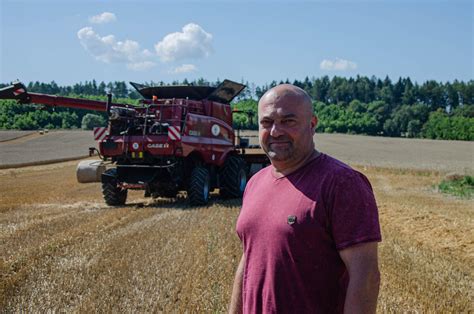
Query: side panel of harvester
[
  {"x": 212, "y": 137},
  {"x": 222, "y": 132}
]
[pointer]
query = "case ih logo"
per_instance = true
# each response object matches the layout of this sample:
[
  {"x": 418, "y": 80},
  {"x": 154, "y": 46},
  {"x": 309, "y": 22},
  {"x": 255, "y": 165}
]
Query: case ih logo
[
  {"x": 174, "y": 133},
  {"x": 100, "y": 133}
]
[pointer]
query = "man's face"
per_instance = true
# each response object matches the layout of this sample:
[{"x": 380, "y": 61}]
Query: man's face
[{"x": 286, "y": 129}]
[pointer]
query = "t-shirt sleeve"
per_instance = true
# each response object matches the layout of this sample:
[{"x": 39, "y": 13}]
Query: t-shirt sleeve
[{"x": 354, "y": 215}]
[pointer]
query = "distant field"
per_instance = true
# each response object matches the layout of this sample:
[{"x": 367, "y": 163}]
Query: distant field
[
  {"x": 399, "y": 153},
  {"x": 33, "y": 147},
  {"x": 10, "y": 135}
]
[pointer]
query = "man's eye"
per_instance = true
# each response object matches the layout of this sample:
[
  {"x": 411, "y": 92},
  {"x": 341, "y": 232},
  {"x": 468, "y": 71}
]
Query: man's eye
[
  {"x": 288, "y": 121},
  {"x": 265, "y": 123}
]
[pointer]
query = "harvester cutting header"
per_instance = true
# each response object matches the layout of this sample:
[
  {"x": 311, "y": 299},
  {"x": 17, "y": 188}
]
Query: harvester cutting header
[{"x": 178, "y": 138}]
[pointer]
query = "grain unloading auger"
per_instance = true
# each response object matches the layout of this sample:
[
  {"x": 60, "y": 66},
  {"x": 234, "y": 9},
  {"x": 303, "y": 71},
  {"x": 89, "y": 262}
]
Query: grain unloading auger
[{"x": 178, "y": 138}]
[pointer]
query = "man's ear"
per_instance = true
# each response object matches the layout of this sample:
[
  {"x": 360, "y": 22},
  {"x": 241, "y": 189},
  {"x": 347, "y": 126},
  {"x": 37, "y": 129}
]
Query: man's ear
[{"x": 314, "y": 123}]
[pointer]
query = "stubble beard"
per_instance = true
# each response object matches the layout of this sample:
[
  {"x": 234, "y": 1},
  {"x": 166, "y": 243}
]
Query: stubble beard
[
  {"x": 279, "y": 155},
  {"x": 288, "y": 155}
]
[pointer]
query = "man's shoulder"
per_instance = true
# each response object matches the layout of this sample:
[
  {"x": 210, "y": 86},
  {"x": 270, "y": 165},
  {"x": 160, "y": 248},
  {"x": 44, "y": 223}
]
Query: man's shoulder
[
  {"x": 330, "y": 165},
  {"x": 333, "y": 171},
  {"x": 262, "y": 174},
  {"x": 343, "y": 174}
]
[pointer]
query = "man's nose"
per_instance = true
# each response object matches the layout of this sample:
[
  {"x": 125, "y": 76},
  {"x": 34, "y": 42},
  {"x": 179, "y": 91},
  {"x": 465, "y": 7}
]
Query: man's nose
[{"x": 276, "y": 131}]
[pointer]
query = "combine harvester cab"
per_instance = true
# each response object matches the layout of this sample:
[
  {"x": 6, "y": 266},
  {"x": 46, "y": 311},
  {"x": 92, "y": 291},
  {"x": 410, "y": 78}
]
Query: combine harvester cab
[{"x": 178, "y": 138}]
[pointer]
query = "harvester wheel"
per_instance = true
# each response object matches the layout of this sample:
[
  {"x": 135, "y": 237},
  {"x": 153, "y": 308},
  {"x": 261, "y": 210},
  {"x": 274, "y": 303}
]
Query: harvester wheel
[
  {"x": 199, "y": 186},
  {"x": 233, "y": 177},
  {"x": 113, "y": 195}
]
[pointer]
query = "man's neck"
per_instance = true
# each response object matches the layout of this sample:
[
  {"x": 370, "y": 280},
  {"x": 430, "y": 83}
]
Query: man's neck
[{"x": 281, "y": 171}]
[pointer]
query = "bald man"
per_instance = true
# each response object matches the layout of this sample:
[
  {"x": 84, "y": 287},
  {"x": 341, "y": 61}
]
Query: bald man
[{"x": 308, "y": 224}]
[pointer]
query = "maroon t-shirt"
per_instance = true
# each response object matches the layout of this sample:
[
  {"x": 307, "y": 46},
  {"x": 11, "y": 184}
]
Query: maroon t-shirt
[{"x": 292, "y": 229}]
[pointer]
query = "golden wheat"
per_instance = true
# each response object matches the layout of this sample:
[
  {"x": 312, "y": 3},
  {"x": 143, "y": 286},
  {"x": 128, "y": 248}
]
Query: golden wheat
[{"x": 62, "y": 249}]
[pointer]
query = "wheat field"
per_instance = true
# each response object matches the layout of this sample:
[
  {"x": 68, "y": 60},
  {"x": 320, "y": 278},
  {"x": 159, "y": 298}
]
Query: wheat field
[{"x": 62, "y": 249}]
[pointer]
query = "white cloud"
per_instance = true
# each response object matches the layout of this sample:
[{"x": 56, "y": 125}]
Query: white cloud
[
  {"x": 338, "y": 65},
  {"x": 141, "y": 66},
  {"x": 192, "y": 42},
  {"x": 184, "y": 68},
  {"x": 103, "y": 18},
  {"x": 107, "y": 49}
]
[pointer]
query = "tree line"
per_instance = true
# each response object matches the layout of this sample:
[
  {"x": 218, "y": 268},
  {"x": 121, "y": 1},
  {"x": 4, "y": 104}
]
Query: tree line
[{"x": 359, "y": 105}]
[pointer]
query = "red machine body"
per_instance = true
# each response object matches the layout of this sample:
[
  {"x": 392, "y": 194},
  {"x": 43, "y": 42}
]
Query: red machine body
[
  {"x": 177, "y": 138},
  {"x": 177, "y": 127}
]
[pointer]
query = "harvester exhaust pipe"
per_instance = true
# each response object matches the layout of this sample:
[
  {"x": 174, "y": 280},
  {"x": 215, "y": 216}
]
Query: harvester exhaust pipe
[{"x": 109, "y": 103}]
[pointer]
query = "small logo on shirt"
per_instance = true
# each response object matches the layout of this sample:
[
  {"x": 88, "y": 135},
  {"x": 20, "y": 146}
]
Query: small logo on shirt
[{"x": 291, "y": 219}]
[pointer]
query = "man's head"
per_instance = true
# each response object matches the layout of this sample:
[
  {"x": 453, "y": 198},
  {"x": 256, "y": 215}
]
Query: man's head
[{"x": 286, "y": 126}]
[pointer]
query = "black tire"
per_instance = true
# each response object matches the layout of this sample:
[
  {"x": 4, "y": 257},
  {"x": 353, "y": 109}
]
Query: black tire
[
  {"x": 233, "y": 178},
  {"x": 113, "y": 195},
  {"x": 199, "y": 186}
]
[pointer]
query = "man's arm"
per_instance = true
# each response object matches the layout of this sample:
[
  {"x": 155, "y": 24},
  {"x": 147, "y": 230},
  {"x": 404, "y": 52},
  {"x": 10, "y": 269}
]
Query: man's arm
[
  {"x": 236, "y": 300},
  {"x": 364, "y": 277}
]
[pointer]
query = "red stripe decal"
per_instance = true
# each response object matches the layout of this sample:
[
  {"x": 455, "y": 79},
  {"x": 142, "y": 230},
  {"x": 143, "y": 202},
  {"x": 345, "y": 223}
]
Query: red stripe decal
[
  {"x": 173, "y": 133},
  {"x": 100, "y": 133}
]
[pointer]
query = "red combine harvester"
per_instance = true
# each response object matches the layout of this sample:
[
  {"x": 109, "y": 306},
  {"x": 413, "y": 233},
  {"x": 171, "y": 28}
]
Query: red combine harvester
[{"x": 178, "y": 138}]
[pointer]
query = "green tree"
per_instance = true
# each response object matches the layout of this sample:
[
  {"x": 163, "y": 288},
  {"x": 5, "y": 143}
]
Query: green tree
[
  {"x": 320, "y": 89},
  {"x": 90, "y": 121},
  {"x": 25, "y": 122},
  {"x": 381, "y": 112},
  {"x": 442, "y": 126},
  {"x": 399, "y": 120},
  {"x": 432, "y": 95},
  {"x": 414, "y": 128},
  {"x": 247, "y": 118},
  {"x": 69, "y": 120}
]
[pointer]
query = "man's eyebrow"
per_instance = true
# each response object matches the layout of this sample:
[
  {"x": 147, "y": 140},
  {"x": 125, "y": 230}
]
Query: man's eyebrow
[{"x": 286, "y": 116}]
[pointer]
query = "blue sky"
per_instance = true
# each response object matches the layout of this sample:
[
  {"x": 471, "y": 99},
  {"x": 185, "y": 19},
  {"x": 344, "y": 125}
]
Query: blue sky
[{"x": 254, "y": 41}]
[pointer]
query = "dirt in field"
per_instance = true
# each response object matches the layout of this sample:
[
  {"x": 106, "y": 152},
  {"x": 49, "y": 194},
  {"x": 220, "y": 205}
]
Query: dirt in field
[{"x": 62, "y": 249}]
